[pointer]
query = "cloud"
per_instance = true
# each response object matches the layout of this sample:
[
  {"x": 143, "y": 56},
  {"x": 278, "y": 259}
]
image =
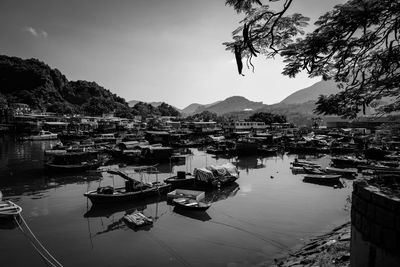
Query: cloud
[{"x": 35, "y": 32}]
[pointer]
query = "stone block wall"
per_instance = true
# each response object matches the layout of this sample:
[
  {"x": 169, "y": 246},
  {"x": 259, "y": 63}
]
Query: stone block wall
[{"x": 375, "y": 218}]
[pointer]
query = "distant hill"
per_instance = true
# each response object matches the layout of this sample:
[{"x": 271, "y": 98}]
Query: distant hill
[
  {"x": 196, "y": 108},
  {"x": 134, "y": 102},
  {"x": 34, "y": 83},
  {"x": 240, "y": 103},
  {"x": 191, "y": 108},
  {"x": 154, "y": 104},
  {"x": 311, "y": 93},
  {"x": 231, "y": 104},
  {"x": 297, "y": 107}
]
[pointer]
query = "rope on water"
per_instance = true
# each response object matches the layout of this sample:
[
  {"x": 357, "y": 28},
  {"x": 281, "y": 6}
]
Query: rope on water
[
  {"x": 40, "y": 244},
  {"x": 34, "y": 246}
]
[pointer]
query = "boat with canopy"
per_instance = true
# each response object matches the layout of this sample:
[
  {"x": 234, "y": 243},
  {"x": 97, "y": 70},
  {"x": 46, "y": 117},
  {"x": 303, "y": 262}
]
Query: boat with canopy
[{"x": 133, "y": 190}]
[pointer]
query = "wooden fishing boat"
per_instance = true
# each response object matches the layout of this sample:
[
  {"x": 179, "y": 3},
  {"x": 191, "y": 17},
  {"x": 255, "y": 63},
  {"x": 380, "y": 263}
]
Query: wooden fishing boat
[
  {"x": 9, "y": 209},
  {"x": 343, "y": 172},
  {"x": 133, "y": 190},
  {"x": 325, "y": 179},
  {"x": 347, "y": 161},
  {"x": 181, "y": 180},
  {"x": 42, "y": 135},
  {"x": 84, "y": 166},
  {"x": 313, "y": 170},
  {"x": 216, "y": 175},
  {"x": 302, "y": 163},
  {"x": 137, "y": 219},
  {"x": 74, "y": 162},
  {"x": 297, "y": 170},
  {"x": 190, "y": 204},
  {"x": 183, "y": 193},
  {"x": 113, "y": 195}
]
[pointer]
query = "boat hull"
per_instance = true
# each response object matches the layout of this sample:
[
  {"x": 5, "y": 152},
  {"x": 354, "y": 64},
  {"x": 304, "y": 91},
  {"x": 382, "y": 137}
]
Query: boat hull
[
  {"x": 98, "y": 198},
  {"x": 180, "y": 183},
  {"x": 72, "y": 167},
  {"x": 9, "y": 209},
  {"x": 199, "y": 206},
  {"x": 322, "y": 179}
]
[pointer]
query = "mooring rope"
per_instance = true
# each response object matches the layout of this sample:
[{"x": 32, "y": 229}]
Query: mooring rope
[
  {"x": 47, "y": 261},
  {"x": 37, "y": 240}
]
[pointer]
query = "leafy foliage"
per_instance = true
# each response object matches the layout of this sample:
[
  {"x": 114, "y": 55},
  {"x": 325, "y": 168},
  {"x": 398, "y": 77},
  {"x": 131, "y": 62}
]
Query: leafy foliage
[
  {"x": 267, "y": 118},
  {"x": 147, "y": 110},
  {"x": 356, "y": 44},
  {"x": 263, "y": 30},
  {"x": 168, "y": 110},
  {"x": 203, "y": 116},
  {"x": 34, "y": 83}
]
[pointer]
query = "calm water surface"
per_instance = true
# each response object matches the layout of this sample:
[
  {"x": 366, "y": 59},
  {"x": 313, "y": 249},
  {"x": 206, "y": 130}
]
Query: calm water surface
[{"x": 267, "y": 212}]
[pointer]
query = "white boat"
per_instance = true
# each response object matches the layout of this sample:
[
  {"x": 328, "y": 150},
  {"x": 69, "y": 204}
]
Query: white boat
[
  {"x": 8, "y": 209},
  {"x": 42, "y": 135},
  {"x": 183, "y": 193},
  {"x": 190, "y": 204}
]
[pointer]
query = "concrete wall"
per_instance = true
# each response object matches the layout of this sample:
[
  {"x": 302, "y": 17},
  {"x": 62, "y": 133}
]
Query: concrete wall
[{"x": 375, "y": 232}]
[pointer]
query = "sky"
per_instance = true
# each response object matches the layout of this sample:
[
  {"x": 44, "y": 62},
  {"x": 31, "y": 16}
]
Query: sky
[{"x": 147, "y": 50}]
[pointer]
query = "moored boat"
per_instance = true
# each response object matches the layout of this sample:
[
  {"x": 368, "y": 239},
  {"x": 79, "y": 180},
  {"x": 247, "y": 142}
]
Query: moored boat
[
  {"x": 347, "y": 161},
  {"x": 83, "y": 166},
  {"x": 313, "y": 170},
  {"x": 9, "y": 209},
  {"x": 191, "y": 204},
  {"x": 343, "y": 172},
  {"x": 181, "y": 180},
  {"x": 183, "y": 193},
  {"x": 302, "y": 163},
  {"x": 216, "y": 175},
  {"x": 74, "y": 162},
  {"x": 324, "y": 179},
  {"x": 42, "y": 135},
  {"x": 133, "y": 190}
]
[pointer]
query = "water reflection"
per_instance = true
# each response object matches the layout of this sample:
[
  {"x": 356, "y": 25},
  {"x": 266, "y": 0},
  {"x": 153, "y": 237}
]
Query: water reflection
[
  {"x": 109, "y": 210},
  {"x": 283, "y": 209},
  {"x": 9, "y": 223},
  {"x": 225, "y": 192},
  {"x": 114, "y": 213},
  {"x": 200, "y": 216},
  {"x": 37, "y": 188}
]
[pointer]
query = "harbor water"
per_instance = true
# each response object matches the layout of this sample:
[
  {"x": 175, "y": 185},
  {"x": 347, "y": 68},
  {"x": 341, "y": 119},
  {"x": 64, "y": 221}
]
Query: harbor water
[{"x": 268, "y": 212}]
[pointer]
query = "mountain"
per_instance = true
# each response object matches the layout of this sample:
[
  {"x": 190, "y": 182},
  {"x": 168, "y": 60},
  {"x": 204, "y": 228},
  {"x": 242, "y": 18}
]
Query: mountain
[
  {"x": 154, "y": 104},
  {"x": 234, "y": 103},
  {"x": 196, "y": 108},
  {"x": 134, "y": 102},
  {"x": 311, "y": 93},
  {"x": 191, "y": 108},
  {"x": 239, "y": 103},
  {"x": 34, "y": 83},
  {"x": 231, "y": 104}
]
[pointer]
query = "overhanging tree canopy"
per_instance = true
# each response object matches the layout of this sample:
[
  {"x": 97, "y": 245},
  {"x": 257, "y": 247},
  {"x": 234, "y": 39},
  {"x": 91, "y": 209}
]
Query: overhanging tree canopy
[{"x": 356, "y": 44}]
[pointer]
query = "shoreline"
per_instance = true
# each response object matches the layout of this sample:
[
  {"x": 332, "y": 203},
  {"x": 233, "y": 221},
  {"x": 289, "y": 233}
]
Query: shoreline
[{"x": 330, "y": 249}]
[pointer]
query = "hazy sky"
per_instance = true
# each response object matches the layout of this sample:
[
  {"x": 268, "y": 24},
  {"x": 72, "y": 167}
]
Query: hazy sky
[{"x": 149, "y": 50}]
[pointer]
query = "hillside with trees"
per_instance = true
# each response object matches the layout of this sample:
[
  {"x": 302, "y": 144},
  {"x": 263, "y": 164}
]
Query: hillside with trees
[
  {"x": 34, "y": 83},
  {"x": 148, "y": 109}
]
